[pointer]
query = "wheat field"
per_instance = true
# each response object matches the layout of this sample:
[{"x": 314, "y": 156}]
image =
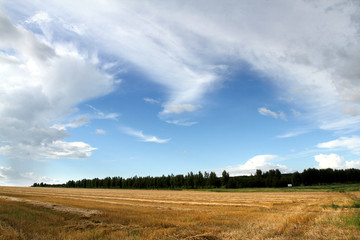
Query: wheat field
[{"x": 60, "y": 213}]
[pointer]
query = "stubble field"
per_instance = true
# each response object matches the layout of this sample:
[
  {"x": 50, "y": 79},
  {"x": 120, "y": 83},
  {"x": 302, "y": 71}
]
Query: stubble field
[{"x": 58, "y": 213}]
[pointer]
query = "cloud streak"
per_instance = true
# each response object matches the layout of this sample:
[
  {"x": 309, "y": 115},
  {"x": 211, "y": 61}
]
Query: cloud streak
[
  {"x": 142, "y": 137},
  {"x": 100, "y": 115},
  {"x": 100, "y": 131},
  {"x": 75, "y": 124},
  {"x": 343, "y": 143},
  {"x": 293, "y": 133},
  {"x": 179, "y": 108},
  {"x": 267, "y": 112},
  {"x": 181, "y": 122},
  {"x": 151, "y": 100}
]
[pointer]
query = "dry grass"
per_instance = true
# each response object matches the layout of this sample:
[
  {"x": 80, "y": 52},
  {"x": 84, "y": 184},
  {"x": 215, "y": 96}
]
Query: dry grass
[{"x": 46, "y": 213}]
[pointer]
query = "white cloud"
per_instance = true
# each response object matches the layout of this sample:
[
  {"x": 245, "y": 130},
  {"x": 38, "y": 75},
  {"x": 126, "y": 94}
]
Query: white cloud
[
  {"x": 310, "y": 50},
  {"x": 100, "y": 131},
  {"x": 110, "y": 116},
  {"x": 39, "y": 17},
  {"x": 61, "y": 149},
  {"x": 179, "y": 108},
  {"x": 334, "y": 161},
  {"x": 10, "y": 176},
  {"x": 100, "y": 115},
  {"x": 186, "y": 48},
  {"x": 150, "y": 43},
  {"x": 293, "y": 133},
  {"x": 352, "y": 164},
  {"x": 340, "y": 123},
  {"x": 42, "y": 82},
  {"x": 262, "y": 162},
  {"x": 181, "y": 122},
  {"x": 51, "y": 150},
  {"x": 267, "y": 112},
  {"x": 75, "y": 124},
  {"x": 348, "y": 143},
  {"x": 143, "y": 137},
  {"x": 351, "y": 110},
  {"x": 329, "y": 161},
  {"x": 151, "y": 100}
]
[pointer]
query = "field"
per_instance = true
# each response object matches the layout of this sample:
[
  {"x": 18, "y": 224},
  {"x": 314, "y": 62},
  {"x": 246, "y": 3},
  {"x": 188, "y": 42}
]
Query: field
[{"x": 50, "y": 213}]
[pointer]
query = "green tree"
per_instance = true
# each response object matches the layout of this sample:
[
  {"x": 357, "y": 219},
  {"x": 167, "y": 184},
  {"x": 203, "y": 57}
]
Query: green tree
[
  {"x": 225, "y": 178},
  {"x": 199, "y": 181},
  {"x": 258, "y": 173},
  {"x": 214, "y": 180},
  {"x": 296, "y": 179}
]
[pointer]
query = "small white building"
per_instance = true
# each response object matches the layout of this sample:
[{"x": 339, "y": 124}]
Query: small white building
[{"x": 289, "y": 185}]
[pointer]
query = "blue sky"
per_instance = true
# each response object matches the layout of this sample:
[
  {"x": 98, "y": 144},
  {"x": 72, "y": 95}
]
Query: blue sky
[{"x": 123, "y": 88}]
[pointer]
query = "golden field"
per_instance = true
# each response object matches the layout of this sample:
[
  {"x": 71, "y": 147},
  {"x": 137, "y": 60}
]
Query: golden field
[{"x": 60, "y": 213}]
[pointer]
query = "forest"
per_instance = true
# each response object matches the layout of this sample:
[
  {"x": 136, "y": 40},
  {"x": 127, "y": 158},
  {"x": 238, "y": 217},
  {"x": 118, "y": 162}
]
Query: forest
[{"x": 271, "y": 178}]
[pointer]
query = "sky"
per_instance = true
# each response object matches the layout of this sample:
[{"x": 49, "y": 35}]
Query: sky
[{"x": 122, "y": 88}]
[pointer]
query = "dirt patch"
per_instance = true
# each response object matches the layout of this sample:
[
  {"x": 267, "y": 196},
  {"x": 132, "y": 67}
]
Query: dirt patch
[{"x": 82, "y": 211}]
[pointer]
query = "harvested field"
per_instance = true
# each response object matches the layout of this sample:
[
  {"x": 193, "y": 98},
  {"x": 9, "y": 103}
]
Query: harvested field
[{"x": 58, "y": 213}]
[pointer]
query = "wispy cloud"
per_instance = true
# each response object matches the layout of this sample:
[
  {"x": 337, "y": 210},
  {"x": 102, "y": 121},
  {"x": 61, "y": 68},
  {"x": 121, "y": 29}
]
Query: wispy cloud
[
  {"x": 267, "y": 112},
  {"x": 100, "y": 131},
  {"x": 75, "y": 124},
  {"x": 341, "y": 123},
  {"x": 144, "y": 138},
  {"x": 185, "y": 50},
  {"x": 151, "y": 100},
  {"x": 181, "y": 122},
  {"x": 293, "y": 133},
  {"x": 152, "y": 45},
  {"x": 100, "y": 115},
  {"x": 47, "y": 71},
  {"x": 342, "y": 143},
  {"x": 39, "y": 18},
  {"x": 179, "y": 108}
]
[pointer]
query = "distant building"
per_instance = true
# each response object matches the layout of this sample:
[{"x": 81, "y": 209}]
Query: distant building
[{"x": 289, "y": 185}]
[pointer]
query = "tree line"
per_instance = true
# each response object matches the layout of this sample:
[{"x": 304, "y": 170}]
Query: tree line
[{"x": 271, "y": 178}]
